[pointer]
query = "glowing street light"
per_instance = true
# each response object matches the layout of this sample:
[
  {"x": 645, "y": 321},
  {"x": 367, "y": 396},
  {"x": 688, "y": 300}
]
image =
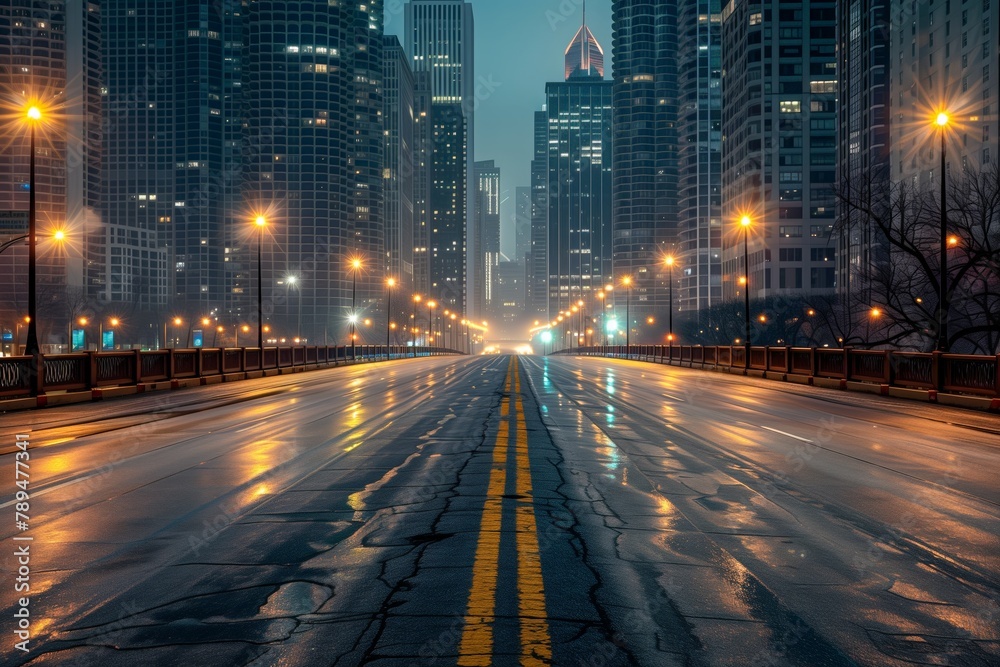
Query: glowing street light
[
  {"x": 34, "y": 116},
  {"x": 431, "y": 305},
  {"x": 261, "y": 222},
  {"x": 389, "y": 284},
  {"x": 745, "y": 222},
  {"x": 669, "y": 261},
  {"x": 413, "y": 328},
  {"x": 355, "y": 267},
  {"x": 627, "y": 282},
  {"x": 942, "y": 120}
]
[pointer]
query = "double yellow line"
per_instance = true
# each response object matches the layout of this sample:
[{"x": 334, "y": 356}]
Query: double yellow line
[{"x": 476, "y": 648}]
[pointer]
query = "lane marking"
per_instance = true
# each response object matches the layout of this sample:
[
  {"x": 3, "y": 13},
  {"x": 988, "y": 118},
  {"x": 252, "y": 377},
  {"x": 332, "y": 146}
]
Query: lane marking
[
  {"x": 476, "y": 647},
  {"x": 536, "y": 643},
  {"x": 795, "y": 437}
]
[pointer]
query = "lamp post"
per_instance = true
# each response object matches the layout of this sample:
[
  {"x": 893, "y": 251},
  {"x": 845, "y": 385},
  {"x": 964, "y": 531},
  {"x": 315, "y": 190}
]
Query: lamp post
[
  {"x": 355, "y": 266},
  {"x": 454, "y": 334},
  {"x": 670, "y": 304},
  {"x": 431, "y": 305},
  {"x": 34, "y": 115},
  {"x": 389, "y": 284},
  {"x": 293, "y": 282},
  {"x": 261, "y": 222},
  {"x": 413, "y": 327},
  {"x": 746, "y": 222},
  {"x": 627, "y": 281},
  {"x": 942, "y": 121}
]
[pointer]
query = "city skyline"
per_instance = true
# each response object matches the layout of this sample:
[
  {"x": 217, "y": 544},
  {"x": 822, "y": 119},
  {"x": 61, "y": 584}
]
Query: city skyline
[
  {"x": 351, "y": 142},
  {"x": 511, "y": 82}
]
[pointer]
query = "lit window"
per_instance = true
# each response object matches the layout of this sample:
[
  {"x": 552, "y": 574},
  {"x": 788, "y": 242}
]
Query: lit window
[
  {"x": 823, "y": 86},
  {"x": 790, "y": 106}
]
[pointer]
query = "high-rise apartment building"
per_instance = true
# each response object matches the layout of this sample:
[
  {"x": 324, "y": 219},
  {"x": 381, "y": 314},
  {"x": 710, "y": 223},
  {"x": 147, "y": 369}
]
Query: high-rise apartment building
[
  {"x": 779, "y": 131},
  {"x": 399, "y": 174},
  {"x": 579, "y": 156},
  {"x": 312, "y": 127},
  {"x": 439, "y": 38},
  {"x": 538, "y": 262},
  {"x": 487, "y": 210},
  {"x": 171, "y": 155},
  {"x": 423, "y": 153},
  {"x": 863, "y": 146},
  {"x": 363, "y": 53},
  {"x": 698, "y": 267},
  {"x": 522, "y": 223},
  {"x": 645, "y": 148},
  {"x": 83, "y": 137}
]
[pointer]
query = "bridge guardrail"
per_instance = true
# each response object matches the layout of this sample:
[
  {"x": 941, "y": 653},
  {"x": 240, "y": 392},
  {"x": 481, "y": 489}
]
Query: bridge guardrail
[
  {"x": 93, "y": 370},
  {"x": 977, "y": 375}
]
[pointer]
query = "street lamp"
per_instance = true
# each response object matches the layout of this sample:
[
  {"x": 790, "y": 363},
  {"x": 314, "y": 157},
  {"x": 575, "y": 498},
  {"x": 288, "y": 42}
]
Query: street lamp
[
  {"x": 670, "y": 304},
  {"x": 261, "y": 222},
  {"x": 245, "y": 329},
  {"x": 431, "y": 305},
  {"x": 746, "y": 222},
  {"x": 546, "y": 339},
  {"x": 389, "y": 284},
  {"x": 627, "y": 281},
  {"x": 355, "y": 267},
  {"x": 34, "y": 115},
  {"x": 942, "y": 120},
  {"x": 454, "y": 334},
  {"x": 293, "y": 282},
  {"x": 413, "y": 327}
]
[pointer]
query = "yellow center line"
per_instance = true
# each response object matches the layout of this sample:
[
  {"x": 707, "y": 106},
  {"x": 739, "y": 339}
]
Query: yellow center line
[
  {"x": 476, "y": 647},
  {"x": 536, "y": 645}
]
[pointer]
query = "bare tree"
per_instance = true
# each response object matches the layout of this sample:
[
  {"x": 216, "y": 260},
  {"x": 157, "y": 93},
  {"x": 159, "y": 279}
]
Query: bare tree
[{"x": 904, "y": 286}]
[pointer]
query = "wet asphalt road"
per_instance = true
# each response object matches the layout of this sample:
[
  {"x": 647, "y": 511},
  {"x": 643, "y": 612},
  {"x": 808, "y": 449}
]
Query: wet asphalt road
[{"x": 507, "y": 511}]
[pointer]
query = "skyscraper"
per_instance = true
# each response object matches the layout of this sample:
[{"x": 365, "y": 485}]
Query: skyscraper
[
  {"x": 440, "y": 36},
  {"x": 83, "y": 150},
  {"x": 584, "y": 54},
  {"x": 171, "y": 156},
  {"x": 645, "y": 155},
  {"x": 698, "y": 270},
  {"x": 399, "y": 164},
  {"x": 538, "y": 262},
  {"x": 522, "y": 223},
  {"x": 314, "y": 159},
  {"x": 487, "y": 210},
  {"x": 579, "y": 153},
  {"x": 423, "y": 173},
  {"x": 779, "y": 152},
  {"x": 863, "y": 113}
]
